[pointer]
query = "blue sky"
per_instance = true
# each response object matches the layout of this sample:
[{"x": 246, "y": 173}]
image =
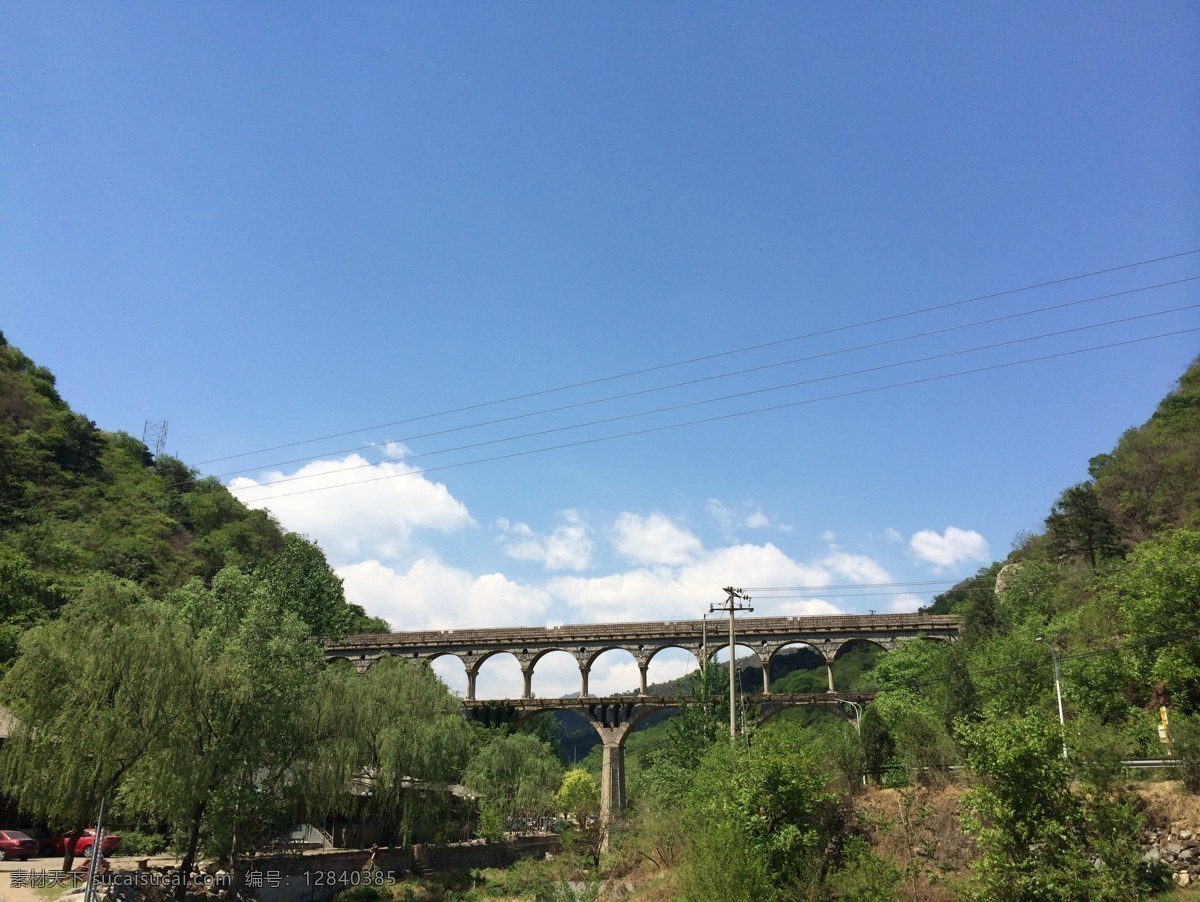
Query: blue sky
[{"x": 270, "y": 224}]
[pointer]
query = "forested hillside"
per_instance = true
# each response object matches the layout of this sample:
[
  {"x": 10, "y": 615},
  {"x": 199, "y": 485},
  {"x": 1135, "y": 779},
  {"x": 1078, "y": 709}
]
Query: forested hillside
[{"x": 76, "y": 501}]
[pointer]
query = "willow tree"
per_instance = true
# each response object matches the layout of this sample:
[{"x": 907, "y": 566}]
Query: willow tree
[
  {"x": 386, "y": 745},
  {"x": 242, "y": 681},
  {"x": 91, "y": 692},
  {"x": 515, "y": 776}
]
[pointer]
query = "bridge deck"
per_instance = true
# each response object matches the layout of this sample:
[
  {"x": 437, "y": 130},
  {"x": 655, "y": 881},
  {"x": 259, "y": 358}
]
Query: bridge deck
[{"x": 568, "y": 634}]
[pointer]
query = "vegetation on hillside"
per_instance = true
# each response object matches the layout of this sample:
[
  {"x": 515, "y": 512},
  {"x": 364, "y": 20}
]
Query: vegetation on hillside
[{"x": 76, "y": 501}]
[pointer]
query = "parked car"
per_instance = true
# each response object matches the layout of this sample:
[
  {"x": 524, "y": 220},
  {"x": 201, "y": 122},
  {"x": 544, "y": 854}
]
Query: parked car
[
  {"x": 84, "y": 843},
  {"x": 15, "y": 844}
]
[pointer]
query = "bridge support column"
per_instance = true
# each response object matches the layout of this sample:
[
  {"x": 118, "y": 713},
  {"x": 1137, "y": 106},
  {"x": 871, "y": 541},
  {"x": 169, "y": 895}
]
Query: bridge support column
[
  {"x": 472, "y": 675},
  {"x": 643, "y": 671},
  {"x": 612, "y": 780},
  {"x": 527, "y": 672},
  {"x": 829, "y": 672},
  {"x": 766, "y": 666},
  {"x": 583, "y": 680}
]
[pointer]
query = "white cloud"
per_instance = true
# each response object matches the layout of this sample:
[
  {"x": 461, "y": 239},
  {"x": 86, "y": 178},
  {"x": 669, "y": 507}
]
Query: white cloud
[
  {"x": 893, "y": 535},
  {"x": 751, "y": 517},
  {"x": 684, "y": 591},
  {"x": 829, "y": 536},
  {"x": 569, "y": 547},
  {"x": 431, "y": 596},
  {"x": 654, "y": 540},
  {"x": 905, "y": 604},
  {"x": 372, "y": 516},
  {"x": 856, "y": 568},
  {"x": 953, "y": 547},
  {"x": 756, "y": 519}
]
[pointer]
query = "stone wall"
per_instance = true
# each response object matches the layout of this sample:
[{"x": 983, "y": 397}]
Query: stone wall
[
  {"x": 318, "y": 876},
  {"x": 1178, "y": 847}
]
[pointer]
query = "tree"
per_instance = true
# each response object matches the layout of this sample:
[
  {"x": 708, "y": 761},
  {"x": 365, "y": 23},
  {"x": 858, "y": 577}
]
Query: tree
[
  {"x": 1079, "y": 526},
  {"x": 579, "y": 799},
  {"x": 514, "y": 776},
  {"x": 1039, "y": 839},
  {"x": 389, "y": 742},
  {"x": 1157, "y": 593},
  {"x": 240, "y": 681},
  {"x": 93, "y": 693},
  {"x": 760, "y": 821},
  {"x": 306, "y": 585}
]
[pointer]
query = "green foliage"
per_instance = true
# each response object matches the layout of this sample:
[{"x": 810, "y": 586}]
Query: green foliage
[
  {"x": 1080, "y": 527},
  {"x": 761, "y": 821},
  {"x": 1185, "y": 741},
  {"x": 1158, "y": 593},
  {"x": 239, "y": 677},
  {"x": 384, "y": 746},
  {"x": 864, "y": 877},
  {"x": 1038, "y": 838},
  {"x": 307, "y": 586},
  {"x": 516, "y": 775},
  {"x": 1151, "y": 481},
  {"x": 579, "y": 795},
  {"x": 93, "y": 694},
  {"x": 135, "y": 842},
  {"x": 876, "y": 742}
]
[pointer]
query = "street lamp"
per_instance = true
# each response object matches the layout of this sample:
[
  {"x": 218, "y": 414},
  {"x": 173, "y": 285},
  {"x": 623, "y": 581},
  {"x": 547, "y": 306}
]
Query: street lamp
[
  {"x": 1058, "y": 692},
  {"x": 857, "y": 711}
]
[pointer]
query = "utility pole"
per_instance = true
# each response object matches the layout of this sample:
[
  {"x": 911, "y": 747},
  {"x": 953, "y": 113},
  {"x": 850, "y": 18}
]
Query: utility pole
[
  {"x": 733, "y": 600},
  {"x": 1062, "y": 724}
]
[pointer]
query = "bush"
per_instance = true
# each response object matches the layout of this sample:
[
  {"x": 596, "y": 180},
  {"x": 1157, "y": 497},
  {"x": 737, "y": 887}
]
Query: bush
[
  {"x": 364, "y": 894},
  {"x": 1185, "y": 739},
  {"x": 134, "y": 842}
]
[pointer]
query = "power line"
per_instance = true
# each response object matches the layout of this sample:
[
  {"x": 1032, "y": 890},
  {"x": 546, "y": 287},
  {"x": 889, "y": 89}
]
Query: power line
[
  {"x": 714, "y": 356},
  {"x": 925, "y": 582},
  {"x": 721, "y": 417},
  {"x": 735, "y": 396},
  {"x": 702, "y": 379}
]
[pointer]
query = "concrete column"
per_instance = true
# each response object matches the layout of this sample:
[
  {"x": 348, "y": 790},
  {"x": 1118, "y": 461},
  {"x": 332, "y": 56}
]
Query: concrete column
[
  {"x": 472, "y": 675},
  {"x": 527, "y": 672},
  {"x": 766, "y": 666},
  {"x": 612, "y": 778},
  {"x": 644, "y": 669},
  {"x": 829, "y": 671},
  {"x": 583, "y": 680}
]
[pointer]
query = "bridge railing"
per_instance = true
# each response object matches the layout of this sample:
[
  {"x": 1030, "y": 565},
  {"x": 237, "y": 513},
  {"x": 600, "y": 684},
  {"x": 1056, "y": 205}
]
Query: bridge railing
[{"x": 686, "y": 629}]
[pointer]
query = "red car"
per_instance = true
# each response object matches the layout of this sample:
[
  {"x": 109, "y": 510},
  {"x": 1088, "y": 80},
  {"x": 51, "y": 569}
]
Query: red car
[
  {"x": 15, "y": 844},
  {"x": 84, "y": 843}
]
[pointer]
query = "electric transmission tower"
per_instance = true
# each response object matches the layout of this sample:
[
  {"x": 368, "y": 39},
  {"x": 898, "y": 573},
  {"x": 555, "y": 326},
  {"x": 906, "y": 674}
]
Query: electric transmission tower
[{"x": 154, "y": 436}]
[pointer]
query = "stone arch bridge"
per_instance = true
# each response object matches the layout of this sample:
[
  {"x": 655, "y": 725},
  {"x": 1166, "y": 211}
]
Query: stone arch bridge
[{"x": 613, "y": 718}]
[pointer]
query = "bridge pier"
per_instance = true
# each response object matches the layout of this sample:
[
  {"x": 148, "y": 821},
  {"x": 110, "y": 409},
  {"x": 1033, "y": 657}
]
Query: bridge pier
[
  {"x": 829, "y": 673},
  {"x": 612, "y": 777},
  {"x": 766, "y": 668},
  {"x": 583, "y": 681},
  {"x": 472, "y": 676}
]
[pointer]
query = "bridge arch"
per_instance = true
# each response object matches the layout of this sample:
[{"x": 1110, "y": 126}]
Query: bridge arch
[
  {"x": 501, "y": 662},
  {"x": 668, "y": 663},
  {"x": 748, "y": 683},
  {"x": 550, "y": 663},
  {"x": 451, "y": 669}
]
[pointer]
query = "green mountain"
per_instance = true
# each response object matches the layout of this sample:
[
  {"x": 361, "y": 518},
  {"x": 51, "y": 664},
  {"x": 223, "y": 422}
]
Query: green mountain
[{"x": 76, "y": 500}]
